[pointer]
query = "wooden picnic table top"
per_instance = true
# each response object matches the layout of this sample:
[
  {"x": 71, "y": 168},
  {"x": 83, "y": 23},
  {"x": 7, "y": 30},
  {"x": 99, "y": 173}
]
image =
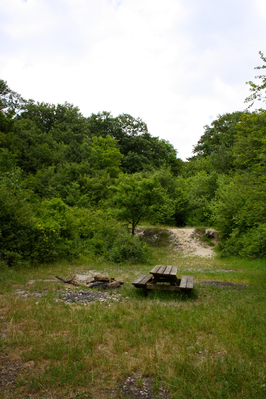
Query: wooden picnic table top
[{"x": 164, "y": 271}]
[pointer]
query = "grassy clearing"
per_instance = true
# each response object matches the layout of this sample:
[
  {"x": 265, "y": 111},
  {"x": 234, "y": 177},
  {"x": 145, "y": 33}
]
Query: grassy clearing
[{"x": 209, "y": 344}]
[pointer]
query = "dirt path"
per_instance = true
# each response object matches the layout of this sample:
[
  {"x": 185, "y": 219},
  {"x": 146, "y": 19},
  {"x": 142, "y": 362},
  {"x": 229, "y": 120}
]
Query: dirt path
[{"x": 185, "y": 240}]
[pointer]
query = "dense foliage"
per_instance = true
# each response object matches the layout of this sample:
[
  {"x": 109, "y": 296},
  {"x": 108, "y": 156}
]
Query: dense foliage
[
  {"x": 59, "y": 171},
  {"x": 71, "y": 185}
]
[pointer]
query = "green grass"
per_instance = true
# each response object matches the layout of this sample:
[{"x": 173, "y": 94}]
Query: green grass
[{"x": 208, "y": 344}]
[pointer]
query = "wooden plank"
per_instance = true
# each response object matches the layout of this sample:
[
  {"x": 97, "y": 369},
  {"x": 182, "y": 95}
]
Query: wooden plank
[
  {"x": 163, "y": 287},
  {"x": 161, "y": 270},
  {"x": 138, "y": 280},
  {"x": 146, "y": 279},
  {"x": 173, "y": 271},
  {"x": 183, "y": 283},
  {"x": 154, "y": 270},
  {"x": 190, "y": 282},
  {"x": 141, "y": 281},
  {"x": 167, "y": 270}
]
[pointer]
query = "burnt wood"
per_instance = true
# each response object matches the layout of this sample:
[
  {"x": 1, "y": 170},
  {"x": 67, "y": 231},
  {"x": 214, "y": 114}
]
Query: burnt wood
[
  {"x": 69, "y": 280},
  {"x": 104, "y": 284},
  {"x": 98, "y": 281}
]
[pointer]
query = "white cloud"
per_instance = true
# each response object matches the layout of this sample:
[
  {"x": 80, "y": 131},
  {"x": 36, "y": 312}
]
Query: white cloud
[
  {"x": 171, "y": 62},
  {"x": 261, "y": 6}
]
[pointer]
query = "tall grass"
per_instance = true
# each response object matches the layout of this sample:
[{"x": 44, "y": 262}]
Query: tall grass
[{"x": 208, "y": 344}]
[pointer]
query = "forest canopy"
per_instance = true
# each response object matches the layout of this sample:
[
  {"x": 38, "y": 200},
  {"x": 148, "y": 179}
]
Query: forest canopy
[{"x": 72, "y": 185}]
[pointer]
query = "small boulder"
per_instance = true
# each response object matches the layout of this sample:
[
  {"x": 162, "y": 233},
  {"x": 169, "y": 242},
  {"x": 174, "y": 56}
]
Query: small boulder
[{"x": 211, "y": 233}]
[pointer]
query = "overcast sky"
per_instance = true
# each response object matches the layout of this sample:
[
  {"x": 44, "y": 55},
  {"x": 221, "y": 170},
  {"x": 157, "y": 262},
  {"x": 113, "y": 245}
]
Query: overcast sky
[{"x": 176, "y": 64}]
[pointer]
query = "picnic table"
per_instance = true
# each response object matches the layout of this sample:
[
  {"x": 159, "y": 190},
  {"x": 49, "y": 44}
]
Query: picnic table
[{"x": 160, "y": 275}]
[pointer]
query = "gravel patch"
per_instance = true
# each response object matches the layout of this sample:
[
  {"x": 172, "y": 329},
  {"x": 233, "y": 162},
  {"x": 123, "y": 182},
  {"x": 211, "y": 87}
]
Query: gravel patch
[
  {"x": 78, "y": 296},
  {"x": 140, "y": 387},
  {"x": 89, "y": 296},
  {"x": 9, "y": 370}
]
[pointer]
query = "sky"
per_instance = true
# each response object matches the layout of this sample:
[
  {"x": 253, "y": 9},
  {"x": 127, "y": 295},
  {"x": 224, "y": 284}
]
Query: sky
[{"x": 176, "y": 64}]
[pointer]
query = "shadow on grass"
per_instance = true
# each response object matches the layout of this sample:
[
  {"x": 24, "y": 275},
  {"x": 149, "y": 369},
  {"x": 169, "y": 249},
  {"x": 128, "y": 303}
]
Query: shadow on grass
[{"x": 166, "y": 296}]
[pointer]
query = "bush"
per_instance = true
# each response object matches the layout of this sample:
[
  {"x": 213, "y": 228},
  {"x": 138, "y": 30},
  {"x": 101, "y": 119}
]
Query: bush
[
  {"x": 97, "y": 230},
  {"x": 200, "y": 191},
  {"x": 251, "y": 244},
  {"x": 101, "y": 234},
  {"x": 55, "y": 232},
  {"x": 128, "y": 248},
  {"x": 239, "y": 213},
  {"x": 17, "y": 219},
  {"x": 45, "y": 231}
]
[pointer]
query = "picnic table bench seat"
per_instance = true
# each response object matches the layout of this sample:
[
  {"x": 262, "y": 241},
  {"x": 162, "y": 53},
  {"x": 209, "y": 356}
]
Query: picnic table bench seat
[
  {"x": 142, "y": 281},
  {"x": 160, "y": 275}
]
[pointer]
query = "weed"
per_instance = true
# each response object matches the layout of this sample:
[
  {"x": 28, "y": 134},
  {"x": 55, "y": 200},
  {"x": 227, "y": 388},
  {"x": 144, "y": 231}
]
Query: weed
[{"x": 210, "y": 343}]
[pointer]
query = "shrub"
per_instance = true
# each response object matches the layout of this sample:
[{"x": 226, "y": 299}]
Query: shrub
[
  {"x": 17, "y": 219},
  {"x": 251, "y": 244},
  {"x": 101, "y": 234},
  {"x": 239, "y": 213},
  {"x": 45, "y": 231},
  {"x": 200, "y": 191},
  {"x": 128, "y": 248}
]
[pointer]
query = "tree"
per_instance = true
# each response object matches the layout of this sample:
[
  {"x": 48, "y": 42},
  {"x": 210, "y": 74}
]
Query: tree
[
  {"x": 11, "y": 102},
  {"x": 239, "y": 213},
  {"x": 131, "y": 126},
  {"x": 238, "y": 209},
  {"x": 105, "y": 155},
  {"x": 104, "y": 124},
  {"x": 135, "y": 197},
  {"x": 33, "y": 148},
  {"x": 10, "y": 105},
  {"x": 217, "y": 142},
  {"x": 17, "y": 218},
  {"x": 257, "y": 90},
  {"x": 250, "y": 144},
  {"x": 200, "y": 190},
  {"x": 173, "y": 211},
  {"x": 64, "y": 121},
  {"x": 141, "y": 150}
]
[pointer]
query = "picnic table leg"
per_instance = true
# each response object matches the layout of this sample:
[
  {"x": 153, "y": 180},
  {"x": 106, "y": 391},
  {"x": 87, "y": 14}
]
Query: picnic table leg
[{"x": 173, "y": 283}]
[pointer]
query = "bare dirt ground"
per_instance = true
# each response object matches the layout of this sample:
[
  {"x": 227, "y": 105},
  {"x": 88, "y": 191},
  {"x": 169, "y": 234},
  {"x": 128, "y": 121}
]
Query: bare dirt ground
[{"x": 187, "y": 241}]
